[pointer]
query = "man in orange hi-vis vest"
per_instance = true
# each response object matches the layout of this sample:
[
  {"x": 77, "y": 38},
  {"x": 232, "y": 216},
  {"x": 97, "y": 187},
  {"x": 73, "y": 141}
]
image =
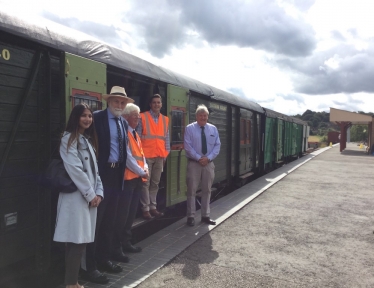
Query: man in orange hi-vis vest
[
  {"x": 136, "y": 173},
  {"x": 154, "y": 133}
]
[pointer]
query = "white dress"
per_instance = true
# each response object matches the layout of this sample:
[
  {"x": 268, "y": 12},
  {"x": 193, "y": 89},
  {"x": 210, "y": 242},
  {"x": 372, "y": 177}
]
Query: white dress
[{"x": 76, "y": 220}]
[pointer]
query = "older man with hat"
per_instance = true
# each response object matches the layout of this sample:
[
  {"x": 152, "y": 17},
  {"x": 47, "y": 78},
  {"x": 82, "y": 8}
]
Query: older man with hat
[{"x": 112, "y": 137}]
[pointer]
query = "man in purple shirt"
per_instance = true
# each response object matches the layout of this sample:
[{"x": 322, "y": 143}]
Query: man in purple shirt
[{"x": 202, "y": 145}]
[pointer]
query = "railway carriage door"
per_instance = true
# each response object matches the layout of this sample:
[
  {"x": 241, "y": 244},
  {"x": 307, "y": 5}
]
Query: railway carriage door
[
  {"x": 279, "y": 139},
  {"x": 26, "y": 74},
  {"x": 246, "y": 156},
  {"x": 303, "y": 149},
  {"x": 269, "y": 141},
  {"x": 85, "y": 81},
  {"x": 287, "y": 139},
  {"x": 177, "y": 101},
  {"x": 294, "y": 137}
]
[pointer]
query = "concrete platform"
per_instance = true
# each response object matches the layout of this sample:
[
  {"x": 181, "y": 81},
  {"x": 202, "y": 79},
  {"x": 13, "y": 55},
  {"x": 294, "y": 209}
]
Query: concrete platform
[{"x": 312, "y": 228}]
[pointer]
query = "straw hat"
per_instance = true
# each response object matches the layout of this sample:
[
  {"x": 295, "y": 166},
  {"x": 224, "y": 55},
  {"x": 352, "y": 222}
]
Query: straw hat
[{"x": 118, "y": 91}]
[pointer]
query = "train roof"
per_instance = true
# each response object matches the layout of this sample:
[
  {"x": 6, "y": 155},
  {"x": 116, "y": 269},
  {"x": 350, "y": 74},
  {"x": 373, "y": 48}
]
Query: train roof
[
  {"x": 66, "y": 39},
  {"x": 273, "y": 114}
]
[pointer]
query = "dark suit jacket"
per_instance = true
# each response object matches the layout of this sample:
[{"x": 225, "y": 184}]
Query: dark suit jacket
[{"x": 103, "y": 135}]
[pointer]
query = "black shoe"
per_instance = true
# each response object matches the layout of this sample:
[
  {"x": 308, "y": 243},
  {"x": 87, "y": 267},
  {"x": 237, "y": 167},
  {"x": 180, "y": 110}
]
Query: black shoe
[
  {"x": 94, "y": 277},
  {"x": 130, "y": 248},
  {"x": 190, "y": 221},
  {"x": 119, "y": 256},
  {"x": 108, "y": 266},
  {"x": 207, "y": 220}
]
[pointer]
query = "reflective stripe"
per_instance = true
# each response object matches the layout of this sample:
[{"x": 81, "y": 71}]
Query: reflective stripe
[
  {"x": 132, "y": 151},
  {"x": 138, "y": 158},
  {"x": 148, "y": 130},
  {"x": 165, "y": 128},
  {"x": 137, "y": 154},
  {"x": 153, "y": 137},
  {"x": 147, "y": 125}
]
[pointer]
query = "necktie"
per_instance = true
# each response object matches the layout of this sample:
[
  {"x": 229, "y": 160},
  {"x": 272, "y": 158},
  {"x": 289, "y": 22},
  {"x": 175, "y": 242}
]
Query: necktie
[
  {"x": 204, "y": 148},
  {"x": 134, "y": 133},
  {"x": 120, "y": 140}
]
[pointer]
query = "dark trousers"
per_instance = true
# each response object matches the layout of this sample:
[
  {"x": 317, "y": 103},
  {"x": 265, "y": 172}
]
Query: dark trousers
[
  {"x": 130, "y": 197},
  {"x": 101, "y": 249},
  {"x": 73, "y": 255}
]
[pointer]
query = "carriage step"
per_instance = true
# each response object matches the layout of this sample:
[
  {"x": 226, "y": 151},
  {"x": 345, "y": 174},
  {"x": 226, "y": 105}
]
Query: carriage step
[{"x": 246, "y": 175}]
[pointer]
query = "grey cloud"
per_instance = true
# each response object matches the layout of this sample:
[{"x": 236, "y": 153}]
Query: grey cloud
[
  {"x": 353, "y": 32},
  {"x": 159, "y": 24},
  {"x": 346, "y": 106},
  {"x": 342, "y": 69},
  {"x": 292, "y": 97},
  {"x": 337, "y": 35},
  {"x": 257, "y": 24},
  {"x": 356, "y": 101},
  {"x": 302, "y": 5},
  {"x": 323, "y": 107},
  {"x": 237, "y": 91},
  {"x": 104, "y": 33}
]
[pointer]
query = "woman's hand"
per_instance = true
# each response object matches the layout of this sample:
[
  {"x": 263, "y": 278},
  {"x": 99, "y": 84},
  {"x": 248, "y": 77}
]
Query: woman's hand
[{"x": 95, "y": 202}]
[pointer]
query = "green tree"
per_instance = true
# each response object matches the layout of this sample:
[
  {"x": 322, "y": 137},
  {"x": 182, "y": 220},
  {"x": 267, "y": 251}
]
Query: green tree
[{"x": 359, "y": 133}]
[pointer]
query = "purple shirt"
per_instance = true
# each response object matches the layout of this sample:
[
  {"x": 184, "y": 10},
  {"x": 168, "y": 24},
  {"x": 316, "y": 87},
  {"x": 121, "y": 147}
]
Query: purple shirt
[{"x": 192, "y": 141}]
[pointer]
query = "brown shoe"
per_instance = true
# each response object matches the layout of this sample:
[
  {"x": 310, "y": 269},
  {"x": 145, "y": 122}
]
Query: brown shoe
[
  {"x": 155, "y": 213},
  {"x": 146, "y": 215}
]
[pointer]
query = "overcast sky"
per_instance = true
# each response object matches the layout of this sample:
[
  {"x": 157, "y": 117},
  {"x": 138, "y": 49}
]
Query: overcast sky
[{"x": 286, "y": 55}]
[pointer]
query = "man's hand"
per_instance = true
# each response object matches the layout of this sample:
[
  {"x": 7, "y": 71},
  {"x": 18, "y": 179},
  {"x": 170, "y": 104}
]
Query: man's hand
[
  {"x": 96, "y": 201},
  {"x": 146, "y": 173},
  {"x": 203, "y": 161}
]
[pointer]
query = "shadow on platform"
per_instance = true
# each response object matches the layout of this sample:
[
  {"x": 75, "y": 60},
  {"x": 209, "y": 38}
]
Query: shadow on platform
[
  {"x": 204, "y": 254},
  {"x": 355, "y": 152}
]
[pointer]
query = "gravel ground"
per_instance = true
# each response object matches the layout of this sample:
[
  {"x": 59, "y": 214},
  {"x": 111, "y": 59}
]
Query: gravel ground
[{"x": 312, "y": 229}]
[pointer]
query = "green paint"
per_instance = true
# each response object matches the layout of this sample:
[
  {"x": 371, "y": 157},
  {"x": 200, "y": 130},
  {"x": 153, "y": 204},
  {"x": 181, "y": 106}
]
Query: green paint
[
  {"x": 83, "y": 74},
  {"x": 176, "y": 97}
]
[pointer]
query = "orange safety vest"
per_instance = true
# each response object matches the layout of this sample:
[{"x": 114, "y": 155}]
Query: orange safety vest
[
  {"x": 154, "y": 135},
  {"x": 137, "y": 153}
]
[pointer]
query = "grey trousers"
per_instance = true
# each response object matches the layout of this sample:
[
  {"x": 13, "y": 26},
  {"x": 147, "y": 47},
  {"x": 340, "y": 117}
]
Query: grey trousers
[
  {"x": 204, "y": 175},
  {"x": 150, "y": 188},
  {"x": 73, "y": 255}
]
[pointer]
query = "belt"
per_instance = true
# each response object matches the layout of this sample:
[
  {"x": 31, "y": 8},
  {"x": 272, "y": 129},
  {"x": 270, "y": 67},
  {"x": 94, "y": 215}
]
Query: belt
[{"x": 113, "y": 165}]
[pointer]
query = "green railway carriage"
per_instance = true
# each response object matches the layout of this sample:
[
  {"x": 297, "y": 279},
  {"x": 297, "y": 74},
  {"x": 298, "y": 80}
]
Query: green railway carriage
[
  {"x": 45, "y": 72},
  {"x": 284, "y": 138}
]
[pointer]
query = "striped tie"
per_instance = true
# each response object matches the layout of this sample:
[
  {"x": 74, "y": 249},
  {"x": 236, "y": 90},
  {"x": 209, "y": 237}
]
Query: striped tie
[{"x": 120, "y": 140}]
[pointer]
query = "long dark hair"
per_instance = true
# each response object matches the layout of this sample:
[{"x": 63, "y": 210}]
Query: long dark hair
[{"x": 73, "y": 126}]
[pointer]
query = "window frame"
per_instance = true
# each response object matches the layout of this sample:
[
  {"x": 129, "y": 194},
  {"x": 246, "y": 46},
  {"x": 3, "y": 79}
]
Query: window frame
[
  {"x": 86, "y": 95},
  {"x": 177, "y": 146}
]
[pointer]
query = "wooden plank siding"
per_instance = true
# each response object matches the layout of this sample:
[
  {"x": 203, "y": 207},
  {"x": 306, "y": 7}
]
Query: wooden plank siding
[{"x": 19, "y": 189}]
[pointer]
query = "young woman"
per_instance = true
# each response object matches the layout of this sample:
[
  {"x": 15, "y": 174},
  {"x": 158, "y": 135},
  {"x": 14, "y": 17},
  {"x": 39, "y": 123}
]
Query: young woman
[{"x": 76, "y": 212}]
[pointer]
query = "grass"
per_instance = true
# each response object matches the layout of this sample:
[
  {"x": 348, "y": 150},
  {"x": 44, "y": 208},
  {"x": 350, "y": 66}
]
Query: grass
[{"x": 314, "y": 138}]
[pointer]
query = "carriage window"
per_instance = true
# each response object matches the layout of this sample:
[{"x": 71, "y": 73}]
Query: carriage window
[
  {"x": 92, "y": 99},
  {"x": 242, "y": 131},
  {"x": 177, "y": 128},
  {"x": 248, "y": 136}
]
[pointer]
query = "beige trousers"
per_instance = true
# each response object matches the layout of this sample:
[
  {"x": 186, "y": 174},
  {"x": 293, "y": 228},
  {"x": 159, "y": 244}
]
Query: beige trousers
[
  {"x": 150, "y": 188},
  {"x": 204, "y": 175}
]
